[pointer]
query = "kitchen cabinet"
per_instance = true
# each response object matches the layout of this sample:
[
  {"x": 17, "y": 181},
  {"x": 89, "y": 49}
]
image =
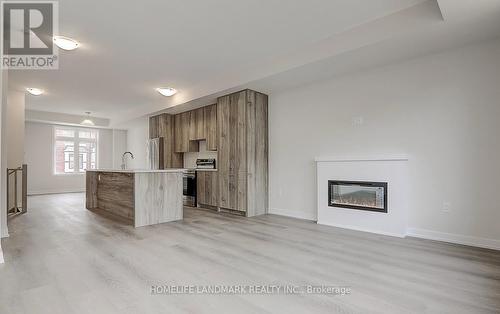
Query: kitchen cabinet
[
  {"x": 146, "y": 197},
  {"x": 231, "y": 117},
  {"x": 182, "y": 143},
  {"x": 154, "y": 126},
  {"x": 194, "y": 126},
  {"x": 113, "y": 192},
  {"x": 163, "y": 126},
  {"x": 197, "y": 125},
  {"x": 207, "y": 188},
  {"x": 210, "y": 117},
  {"x": 180, "y": 133},
  {"x": 242, "y": 129},
  {"x": 237, "y": 128}
]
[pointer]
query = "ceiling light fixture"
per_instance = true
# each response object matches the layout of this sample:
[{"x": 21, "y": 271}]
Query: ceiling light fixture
[
  {"x": 34, "y": 91},
  {"x": 166, "y": 91},
  {"x": 65, "y": 43},
  {"x": 87, "y": 121}
]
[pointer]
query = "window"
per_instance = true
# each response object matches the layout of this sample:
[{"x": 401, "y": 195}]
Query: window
[{"x": 75, "y": 150}]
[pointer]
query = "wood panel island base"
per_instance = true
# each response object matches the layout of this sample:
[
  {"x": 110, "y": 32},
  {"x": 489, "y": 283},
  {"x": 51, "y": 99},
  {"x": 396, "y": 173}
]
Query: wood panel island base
[{"x": 146, "y": 197}]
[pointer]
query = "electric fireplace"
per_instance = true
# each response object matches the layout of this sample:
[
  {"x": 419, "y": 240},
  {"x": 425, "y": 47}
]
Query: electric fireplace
[{"x": 370, "y": 196}]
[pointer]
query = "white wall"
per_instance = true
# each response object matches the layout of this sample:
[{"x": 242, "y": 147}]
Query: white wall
[
  {"x": 119, "y": 147},
  {"x": 15, "y": 128},
  {"x": 442, "y": 110},
  {"x": 63, "y": 118},
  {"x": 15, "y": 141},
  {"x": 12, "y": 153},
  {"x": 137, "y": 139},
  {"x": 3, "y": 156},
  {"x": 39, "y": 157}
]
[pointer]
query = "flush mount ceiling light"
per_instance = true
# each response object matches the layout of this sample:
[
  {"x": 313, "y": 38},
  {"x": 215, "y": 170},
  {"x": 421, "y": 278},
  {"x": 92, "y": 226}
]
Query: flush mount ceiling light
[
  {"x": 65, "y": 43},
  {"x": 166, "y": 91},
  {"x": 34, "y": 91},
  {"x": 87, "y": 121}
]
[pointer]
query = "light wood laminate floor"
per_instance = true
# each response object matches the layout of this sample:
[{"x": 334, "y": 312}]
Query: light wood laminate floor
[{"x": 61, "y": 258}]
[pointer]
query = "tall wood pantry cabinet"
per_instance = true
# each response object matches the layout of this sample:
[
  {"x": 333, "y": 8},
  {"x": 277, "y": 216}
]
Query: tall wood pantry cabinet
[
  {"x": 242, "y": 129},
  {"x": 163, "y": 126}
]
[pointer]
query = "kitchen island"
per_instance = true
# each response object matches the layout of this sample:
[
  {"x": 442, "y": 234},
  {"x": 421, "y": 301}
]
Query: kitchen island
[{"x": 145, "y": 197}]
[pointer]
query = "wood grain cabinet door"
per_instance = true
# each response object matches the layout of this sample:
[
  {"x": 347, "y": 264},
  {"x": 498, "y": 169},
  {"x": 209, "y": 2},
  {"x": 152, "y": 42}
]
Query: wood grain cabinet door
[
  {"x": 163, "y": 126},
  {"x": 185, "y": 120},
  {"x": 212, "y": 188},
  {"x": 201, "y": 187},
  {"x": 183, "y": 143},
  {"x": 178, "y": 134},
  {"x": 115, "y": 193},
  {"x": 153, "y": 126},
  {"x": 231, "y": 130},
  {"x": 207, "y": 187},
  {"x": 224, "y": 144},
  {"x": 167, "y": 131},
  {"x": 197, "y": 125},
  {"x": 210, "y": 117}
]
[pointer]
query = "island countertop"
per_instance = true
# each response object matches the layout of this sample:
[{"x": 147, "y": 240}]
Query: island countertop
[
  {"x": 138, "y": 170},
  {"x": 145, "y": 197}
]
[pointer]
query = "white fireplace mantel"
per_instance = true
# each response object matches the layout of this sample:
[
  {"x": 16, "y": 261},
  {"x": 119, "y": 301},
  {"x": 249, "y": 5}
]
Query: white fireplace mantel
[
  {"x": 363, "y": 158},
  {"x": 392, "y": 169}
]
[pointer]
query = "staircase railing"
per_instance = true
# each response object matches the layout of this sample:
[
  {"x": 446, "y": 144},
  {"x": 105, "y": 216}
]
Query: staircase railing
[{"x": 14, "y": 208}]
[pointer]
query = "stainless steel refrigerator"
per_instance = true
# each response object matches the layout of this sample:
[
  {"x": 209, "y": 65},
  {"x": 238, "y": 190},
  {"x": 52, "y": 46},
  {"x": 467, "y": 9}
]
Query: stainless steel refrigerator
[{"x": 155, "y": 153}]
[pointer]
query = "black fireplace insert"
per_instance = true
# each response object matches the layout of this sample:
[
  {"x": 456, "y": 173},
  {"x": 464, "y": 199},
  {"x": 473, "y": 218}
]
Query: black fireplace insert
[{"x": 361, "y": 195}]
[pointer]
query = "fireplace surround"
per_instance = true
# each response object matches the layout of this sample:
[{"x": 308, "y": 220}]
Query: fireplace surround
[{"x": 390, "y": 169}]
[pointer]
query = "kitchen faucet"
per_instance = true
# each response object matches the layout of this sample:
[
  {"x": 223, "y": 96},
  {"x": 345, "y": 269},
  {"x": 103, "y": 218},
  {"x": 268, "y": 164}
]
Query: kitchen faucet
[{"x": 123, "y": 159}]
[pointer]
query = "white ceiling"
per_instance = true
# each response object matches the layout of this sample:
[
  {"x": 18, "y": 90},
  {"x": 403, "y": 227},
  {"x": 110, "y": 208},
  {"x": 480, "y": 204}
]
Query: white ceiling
[{"x": 203, "y": 48}]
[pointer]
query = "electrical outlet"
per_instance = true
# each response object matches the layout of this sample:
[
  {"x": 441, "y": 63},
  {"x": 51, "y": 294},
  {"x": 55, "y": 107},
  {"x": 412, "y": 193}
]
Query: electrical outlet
[{"x": 446, "y": 206}]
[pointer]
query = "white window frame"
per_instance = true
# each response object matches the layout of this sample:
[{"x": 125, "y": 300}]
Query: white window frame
[{"x": 76, "y": 139}]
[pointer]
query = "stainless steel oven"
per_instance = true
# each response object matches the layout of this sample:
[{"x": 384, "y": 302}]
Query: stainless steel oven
[
  {"x": 205, "y": 163},
  {"x": 189, "y": 188}
]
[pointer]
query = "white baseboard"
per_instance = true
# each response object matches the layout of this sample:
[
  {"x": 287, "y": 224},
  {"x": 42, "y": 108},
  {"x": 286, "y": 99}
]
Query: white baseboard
[
  {"x": 410, "y": 232},
  {"x": 55, "y": 191},
  {"x": 454, "y": 238},
  {"x": 398, "y": 235},
  {"x": 293, "y": 214}
]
